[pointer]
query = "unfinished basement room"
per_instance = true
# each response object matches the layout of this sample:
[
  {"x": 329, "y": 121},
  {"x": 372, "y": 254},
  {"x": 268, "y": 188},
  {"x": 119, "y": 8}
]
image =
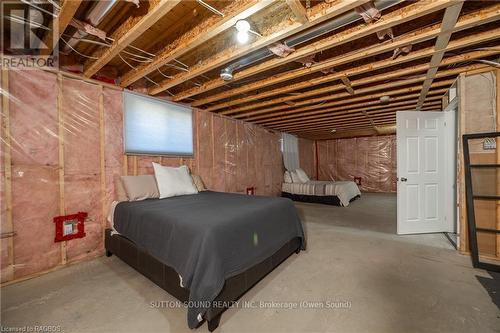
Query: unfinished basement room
[{"x": 250, "y": 166}]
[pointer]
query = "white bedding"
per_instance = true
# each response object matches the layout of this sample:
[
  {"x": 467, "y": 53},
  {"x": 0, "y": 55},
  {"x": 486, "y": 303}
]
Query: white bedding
[{"x": 344, "y": 190}]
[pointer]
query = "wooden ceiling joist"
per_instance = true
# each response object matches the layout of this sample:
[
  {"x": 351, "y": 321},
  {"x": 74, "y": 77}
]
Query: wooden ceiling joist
[
  {"x": 405, "y": 102},
  {"x": 303, "y": 110},
  {"x": 449, "y": 21},
  {"x": 465, "y": 22},
  {"x": 131, "y": 34},
  {"x": 234, "y": 53},
  {"x": 297, "y": 115},
  {"x": 66, "y": 14},
  {"x": 400, "y": 16},
  {"x": 402, "y": 103},
  {"x": 398, "y": 83},
  {"x": 238, "y": 10},
  {"x": 298, "y": 10},
  {"x": 390, "y": 112},
  {"x": 366, "y": 80}
]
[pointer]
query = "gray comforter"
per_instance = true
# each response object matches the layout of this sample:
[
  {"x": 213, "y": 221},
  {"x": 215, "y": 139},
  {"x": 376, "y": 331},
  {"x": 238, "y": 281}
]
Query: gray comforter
[{"x": 209, "y": 237}]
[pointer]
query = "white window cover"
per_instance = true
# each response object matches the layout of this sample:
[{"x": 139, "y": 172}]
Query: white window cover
[{"x": 157, "y": 127}]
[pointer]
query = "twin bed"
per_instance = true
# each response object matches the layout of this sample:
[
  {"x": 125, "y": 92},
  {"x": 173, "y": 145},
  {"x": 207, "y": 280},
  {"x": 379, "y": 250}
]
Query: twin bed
[
  {"x": 206, "y": 249},
  {"x": 298, "y": 187}
]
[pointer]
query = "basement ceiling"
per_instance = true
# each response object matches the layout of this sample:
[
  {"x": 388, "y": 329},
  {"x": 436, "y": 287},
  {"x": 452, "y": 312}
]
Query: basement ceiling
[{"x": 331, "y": 80}]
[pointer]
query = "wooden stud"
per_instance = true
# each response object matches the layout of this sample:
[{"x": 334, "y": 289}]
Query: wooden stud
[
  {"x": 134, "y": 160},
  {"x": 463, "y": 231},
  {"x": 66, "y": 14},
  {"x": 498, "y": 159},
  {"x": 298, "y": 10},
  {"x": 7, "y": 160},
  {"x": 148, "y": 20},
  {"x": 198, "y": 36},
  {"x": 102, "y": 154},
  {"x": 60, "y": 115}
]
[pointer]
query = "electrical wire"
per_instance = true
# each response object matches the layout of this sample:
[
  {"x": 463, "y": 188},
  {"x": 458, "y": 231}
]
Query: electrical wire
[
  {"x": 75, "y": 50},
  {"x": 39, "y": 8},
  {"x": 134, "y": 68}
]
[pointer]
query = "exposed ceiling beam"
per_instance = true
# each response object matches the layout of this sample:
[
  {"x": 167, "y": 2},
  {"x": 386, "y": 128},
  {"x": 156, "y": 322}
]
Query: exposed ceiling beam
[
  {"x": 237, "y": 10},
  {"x": 390, "y": 93},
  {"x": 390, "y": 112},
  {"x": 413, "y": 11},
  {"x": 131, "y": 34},
  {"x": 298, "y": 10},
  {"x": 449, "y": 21},
  {"x": 382, "y": 77},
  {"x": 334, "y": 118},
  {"x": 66, "y": 14},
  {"x": 366, "y": 80},
  {"x": 465, "y": 22},
  {"x": 405, "y": 102},
  {"x": 319, "y": 109},
  {"x": 234, "y": 53}
]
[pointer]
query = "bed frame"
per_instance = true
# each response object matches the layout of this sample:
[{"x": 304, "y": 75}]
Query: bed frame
[
  {"x": 168, "y": 279},
  {"x": 321, "y": 199}
]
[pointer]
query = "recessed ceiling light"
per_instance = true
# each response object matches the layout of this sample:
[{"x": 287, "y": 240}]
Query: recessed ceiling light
[{"x": 333, "y": 130}]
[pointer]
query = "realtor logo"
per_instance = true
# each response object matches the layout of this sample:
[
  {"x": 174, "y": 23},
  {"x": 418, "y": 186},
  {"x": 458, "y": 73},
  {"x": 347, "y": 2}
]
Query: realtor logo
[{"x": 29, "y": 34}]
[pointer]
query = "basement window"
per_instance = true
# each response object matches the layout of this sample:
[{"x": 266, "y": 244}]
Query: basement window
[{"x": 157, "y": 127}]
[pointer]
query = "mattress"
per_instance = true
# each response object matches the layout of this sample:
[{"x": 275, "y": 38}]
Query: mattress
[
  {"x": 344, "y": 190},
  {"x": 208, "y": 237}
]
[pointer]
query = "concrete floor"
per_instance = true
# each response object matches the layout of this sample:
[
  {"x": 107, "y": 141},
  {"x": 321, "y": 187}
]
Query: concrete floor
[{"x": 380, "y": 282}]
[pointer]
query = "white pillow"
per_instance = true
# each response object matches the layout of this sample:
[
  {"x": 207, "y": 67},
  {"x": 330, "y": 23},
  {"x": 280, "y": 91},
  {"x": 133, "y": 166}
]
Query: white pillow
[
  {"x": 173, "y": 181},
  {"x": 304, "y": 178},
  {"x": 287, "y": 178},
  {"x": 295, "y": 177}
]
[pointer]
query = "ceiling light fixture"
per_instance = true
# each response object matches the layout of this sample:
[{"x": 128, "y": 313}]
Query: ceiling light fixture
[
  {"x": 243, "y": 28},
  {"x": 333, "y": 130},
  {"x": 242, "y": 37}
]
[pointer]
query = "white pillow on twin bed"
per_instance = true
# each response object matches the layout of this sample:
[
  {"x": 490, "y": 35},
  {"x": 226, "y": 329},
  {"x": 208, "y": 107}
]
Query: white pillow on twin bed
[
  {"x": 295, "y": 177},
  {"x": 287, "y": 177},
  {"x": 304, "y": 178},
  {"x": 173, "y": 181}
]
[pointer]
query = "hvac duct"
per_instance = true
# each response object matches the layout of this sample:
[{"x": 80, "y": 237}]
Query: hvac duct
[
  {"x": 304, "y": 36},
  {"x": 94, "y": 17}
]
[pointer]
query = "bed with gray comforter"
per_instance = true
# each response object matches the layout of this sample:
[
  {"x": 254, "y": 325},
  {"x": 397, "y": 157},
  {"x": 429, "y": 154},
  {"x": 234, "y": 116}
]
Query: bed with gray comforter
[{"x": 209, "y": 237}]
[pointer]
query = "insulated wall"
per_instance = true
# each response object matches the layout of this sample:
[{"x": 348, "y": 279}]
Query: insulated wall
[
  {"x": 62, "y": 148},
  {"x": 373, "y": 159}
]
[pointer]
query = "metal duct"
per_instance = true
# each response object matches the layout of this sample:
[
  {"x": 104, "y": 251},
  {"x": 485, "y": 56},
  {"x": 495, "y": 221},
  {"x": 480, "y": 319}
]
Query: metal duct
[
  {"x": 308, "y": 35},
  {"x": 94, "y": 17}
]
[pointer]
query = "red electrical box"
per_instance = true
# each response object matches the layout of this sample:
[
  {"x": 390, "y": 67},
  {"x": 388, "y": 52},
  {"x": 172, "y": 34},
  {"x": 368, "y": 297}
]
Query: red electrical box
[
  {"x": 251, "y": 190},
  {"x": 70, "y": 226}
]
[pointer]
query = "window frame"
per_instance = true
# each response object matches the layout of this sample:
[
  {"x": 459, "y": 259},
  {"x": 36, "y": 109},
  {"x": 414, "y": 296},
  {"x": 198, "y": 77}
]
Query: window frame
[{"x": 193, "y": 127}]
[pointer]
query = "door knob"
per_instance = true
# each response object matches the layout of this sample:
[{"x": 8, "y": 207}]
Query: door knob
[{"x": 403, "y": 179}]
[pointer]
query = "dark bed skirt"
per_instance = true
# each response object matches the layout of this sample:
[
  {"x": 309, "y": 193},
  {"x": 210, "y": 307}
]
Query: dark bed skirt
[
  {"x": 168, "y": 279},
  {"x": 321, "y": 199}
]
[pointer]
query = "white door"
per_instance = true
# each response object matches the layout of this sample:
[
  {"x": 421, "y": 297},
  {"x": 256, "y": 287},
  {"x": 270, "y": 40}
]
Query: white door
[{"x": 421, "y": 172}]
